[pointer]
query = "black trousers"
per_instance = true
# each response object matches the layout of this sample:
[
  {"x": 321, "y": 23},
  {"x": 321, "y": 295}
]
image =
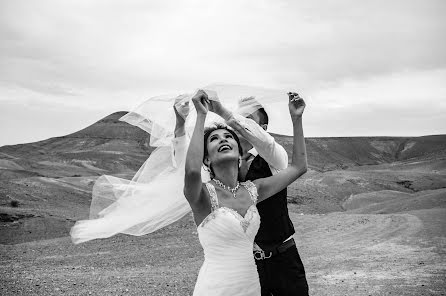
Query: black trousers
[{"x": 283, "y": 274}]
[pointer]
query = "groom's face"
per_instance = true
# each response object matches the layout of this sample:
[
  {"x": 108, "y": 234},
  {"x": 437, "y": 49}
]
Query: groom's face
[{"x": 256, "y": 116}]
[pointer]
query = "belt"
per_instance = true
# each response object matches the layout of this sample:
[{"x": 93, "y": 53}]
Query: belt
[{"x": 265, "y": 254}]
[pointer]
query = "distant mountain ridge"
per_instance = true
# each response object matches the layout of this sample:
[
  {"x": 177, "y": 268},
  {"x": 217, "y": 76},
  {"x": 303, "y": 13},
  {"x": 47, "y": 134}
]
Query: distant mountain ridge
[
  {"x": 338, "y": 152},
  {"x": 112, "y": 146}
]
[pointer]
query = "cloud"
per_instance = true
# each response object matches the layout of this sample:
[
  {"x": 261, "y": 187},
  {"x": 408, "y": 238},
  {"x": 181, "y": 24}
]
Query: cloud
[
  {"x": 115, "y": 53},
  {"x": 399, "y": 104},
  {"x": 112, "y": 45}
]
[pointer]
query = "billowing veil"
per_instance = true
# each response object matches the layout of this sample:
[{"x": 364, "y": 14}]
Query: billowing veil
[{"x": 154, "y": 197}]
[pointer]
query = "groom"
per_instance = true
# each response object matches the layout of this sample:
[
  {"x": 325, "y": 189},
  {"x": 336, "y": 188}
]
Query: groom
[{"x": 280, "y": 268}]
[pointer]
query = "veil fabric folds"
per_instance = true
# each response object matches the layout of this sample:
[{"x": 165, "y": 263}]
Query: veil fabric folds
[{"x": 154, "y": 197}]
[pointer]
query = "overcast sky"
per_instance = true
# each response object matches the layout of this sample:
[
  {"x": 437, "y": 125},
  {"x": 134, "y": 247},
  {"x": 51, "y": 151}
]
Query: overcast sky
[{"x": 366, "y": 68}]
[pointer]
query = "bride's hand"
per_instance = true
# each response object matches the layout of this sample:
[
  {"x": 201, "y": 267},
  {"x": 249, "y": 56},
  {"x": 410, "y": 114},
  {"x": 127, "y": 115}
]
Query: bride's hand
[
  {"x": 296, "y": 105},
  {"x": 201, "y": 102}
]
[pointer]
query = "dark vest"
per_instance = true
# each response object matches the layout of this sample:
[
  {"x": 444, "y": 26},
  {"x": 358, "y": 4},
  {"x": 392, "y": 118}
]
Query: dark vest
[{"x": 275, "y": 223}]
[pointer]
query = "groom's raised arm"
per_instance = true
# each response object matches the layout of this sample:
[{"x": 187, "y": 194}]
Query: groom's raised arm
[{"x": 265, "y": 144}]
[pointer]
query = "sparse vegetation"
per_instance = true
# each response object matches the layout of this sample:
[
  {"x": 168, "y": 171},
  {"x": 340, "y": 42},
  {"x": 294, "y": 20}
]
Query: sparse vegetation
[{"x": 14, "y": 203}]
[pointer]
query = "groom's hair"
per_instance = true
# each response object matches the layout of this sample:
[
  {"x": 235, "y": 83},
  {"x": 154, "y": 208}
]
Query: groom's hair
[
  {"x": 253, "y": 102},
  {"x": 217, "y": 126},
  {"x": 263, "y": 116}
]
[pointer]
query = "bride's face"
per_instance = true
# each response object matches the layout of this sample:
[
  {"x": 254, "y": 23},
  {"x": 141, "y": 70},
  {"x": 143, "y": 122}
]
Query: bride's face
[{"x": 222, "y": 146}]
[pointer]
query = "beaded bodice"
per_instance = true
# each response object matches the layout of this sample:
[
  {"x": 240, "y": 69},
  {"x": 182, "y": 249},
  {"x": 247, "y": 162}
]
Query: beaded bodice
[
  {"x": 225, "y": 233},
  {"x": 215, "y": 207}
]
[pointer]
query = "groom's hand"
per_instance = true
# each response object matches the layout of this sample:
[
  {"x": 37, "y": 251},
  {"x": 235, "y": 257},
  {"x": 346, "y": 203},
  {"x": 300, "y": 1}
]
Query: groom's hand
[
  {"x": 296, "y": 105},
  {"x": 201, "y": 102},
  {"x": 215, "y": 106}
]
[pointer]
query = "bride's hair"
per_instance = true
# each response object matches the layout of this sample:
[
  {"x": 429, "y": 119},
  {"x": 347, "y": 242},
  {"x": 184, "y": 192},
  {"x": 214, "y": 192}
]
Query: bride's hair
[{"x": 217, "y": 126}]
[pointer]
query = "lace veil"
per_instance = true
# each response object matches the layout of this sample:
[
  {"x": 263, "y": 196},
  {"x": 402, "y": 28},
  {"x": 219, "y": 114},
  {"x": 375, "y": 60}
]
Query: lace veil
[{"x": 154, "y": 197}]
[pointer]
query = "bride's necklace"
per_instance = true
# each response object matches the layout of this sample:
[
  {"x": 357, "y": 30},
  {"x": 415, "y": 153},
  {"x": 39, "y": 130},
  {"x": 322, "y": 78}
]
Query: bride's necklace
[{"x": 232, "y": 190}]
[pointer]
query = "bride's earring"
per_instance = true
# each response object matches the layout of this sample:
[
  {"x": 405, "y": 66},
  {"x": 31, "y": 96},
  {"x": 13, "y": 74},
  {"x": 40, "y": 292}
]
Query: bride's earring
[
  {"x": 239, "y": 162},
  {"x": 206, "y": 168}
]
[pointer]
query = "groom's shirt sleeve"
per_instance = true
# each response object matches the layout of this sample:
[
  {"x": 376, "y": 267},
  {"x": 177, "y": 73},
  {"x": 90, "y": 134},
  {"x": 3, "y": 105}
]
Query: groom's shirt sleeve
[
  {"x": 271, "y": 151},
  {"x": 179, "y": 149}
]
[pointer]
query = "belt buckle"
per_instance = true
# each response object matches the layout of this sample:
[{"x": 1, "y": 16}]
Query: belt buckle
[{"x": 260, "y": 255}]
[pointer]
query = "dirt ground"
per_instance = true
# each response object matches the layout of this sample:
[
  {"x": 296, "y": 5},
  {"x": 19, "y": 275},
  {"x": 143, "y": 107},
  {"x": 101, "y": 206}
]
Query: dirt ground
[{"x": 343, "y": 253}]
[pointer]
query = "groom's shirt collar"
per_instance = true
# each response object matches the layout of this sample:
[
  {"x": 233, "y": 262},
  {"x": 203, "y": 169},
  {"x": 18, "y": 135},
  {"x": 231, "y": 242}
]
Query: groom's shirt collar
[{"x": 253, "y": 152}]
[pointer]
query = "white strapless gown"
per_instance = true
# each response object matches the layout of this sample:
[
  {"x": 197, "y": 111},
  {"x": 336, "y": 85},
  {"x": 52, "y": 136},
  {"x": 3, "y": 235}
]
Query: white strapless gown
[{"x": 227, "y": 239}]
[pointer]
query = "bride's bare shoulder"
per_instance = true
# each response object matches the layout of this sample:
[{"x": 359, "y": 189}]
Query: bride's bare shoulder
[{"x": 203, "y": 207}]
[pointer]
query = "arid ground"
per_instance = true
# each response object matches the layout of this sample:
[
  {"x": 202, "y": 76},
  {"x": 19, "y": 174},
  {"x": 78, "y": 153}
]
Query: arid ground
[{"x": 370, "y": 218}]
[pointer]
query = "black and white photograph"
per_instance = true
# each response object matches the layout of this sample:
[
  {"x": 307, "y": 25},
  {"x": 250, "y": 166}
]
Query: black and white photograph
[{"x": 223, "y": 148}]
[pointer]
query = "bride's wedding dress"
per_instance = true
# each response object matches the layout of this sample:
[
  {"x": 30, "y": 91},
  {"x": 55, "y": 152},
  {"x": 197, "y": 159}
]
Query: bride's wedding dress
[{"x": 227, "y": 239}]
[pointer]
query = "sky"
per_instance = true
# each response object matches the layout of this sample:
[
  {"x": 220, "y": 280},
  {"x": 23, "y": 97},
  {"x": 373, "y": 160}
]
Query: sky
[{"x": 365, "y": 68}]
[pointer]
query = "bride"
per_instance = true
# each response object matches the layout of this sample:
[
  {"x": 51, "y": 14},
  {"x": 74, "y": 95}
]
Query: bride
[{"x": 224, "y": 208}]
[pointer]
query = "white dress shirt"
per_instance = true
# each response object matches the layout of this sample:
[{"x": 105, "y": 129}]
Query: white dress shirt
[{"x": 264, "y": 144}]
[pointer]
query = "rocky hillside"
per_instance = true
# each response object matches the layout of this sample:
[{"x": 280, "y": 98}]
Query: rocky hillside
[
  {"x": 326, "y": 154},
  {"x": 107, "y": 146}
]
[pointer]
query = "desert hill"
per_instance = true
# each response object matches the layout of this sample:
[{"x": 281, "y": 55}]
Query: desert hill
[
  {"x": 107, "y": 146},
  {"x": 331, "y": 153}
]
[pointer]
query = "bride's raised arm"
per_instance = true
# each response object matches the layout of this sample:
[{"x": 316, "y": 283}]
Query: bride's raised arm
[
  {"x": 269, "y": 186},
  {"x": 194, "y": 158}
]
